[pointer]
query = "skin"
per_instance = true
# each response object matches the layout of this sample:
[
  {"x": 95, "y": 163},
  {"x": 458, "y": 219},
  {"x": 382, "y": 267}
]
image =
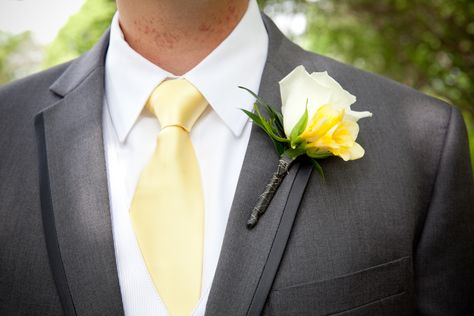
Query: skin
[{"x": 177, "y": 34}]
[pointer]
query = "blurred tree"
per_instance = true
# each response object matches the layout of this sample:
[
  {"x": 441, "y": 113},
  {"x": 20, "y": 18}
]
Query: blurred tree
[
  {"x": 428, "y": 45},
  {"x": 19, "y": 56},
  {"x": 81, "y": 31}
]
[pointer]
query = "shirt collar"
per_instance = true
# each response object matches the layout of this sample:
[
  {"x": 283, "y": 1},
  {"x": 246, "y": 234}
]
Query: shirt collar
[{"x": 237, "y": 61}]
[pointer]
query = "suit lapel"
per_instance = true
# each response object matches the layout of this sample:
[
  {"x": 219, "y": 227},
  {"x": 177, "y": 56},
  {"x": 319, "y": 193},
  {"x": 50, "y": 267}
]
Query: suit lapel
[
  {"x": 74, "y": 194},
  {"x": 249, "y": 258}
]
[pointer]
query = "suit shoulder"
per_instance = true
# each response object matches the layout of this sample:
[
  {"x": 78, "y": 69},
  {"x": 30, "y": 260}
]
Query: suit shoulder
[
  {"x": 40, "y": 79},
  {"x": 22, "y": 100},
  {"x": 390, "y": 95}
]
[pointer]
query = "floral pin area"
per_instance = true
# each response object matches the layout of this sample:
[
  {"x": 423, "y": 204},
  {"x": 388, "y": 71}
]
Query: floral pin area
[{"x": 316, "y": 122}]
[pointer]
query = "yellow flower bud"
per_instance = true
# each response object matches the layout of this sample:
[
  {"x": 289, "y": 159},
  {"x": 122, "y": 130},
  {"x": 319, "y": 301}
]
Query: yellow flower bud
[{"x": 329, "y": 130}]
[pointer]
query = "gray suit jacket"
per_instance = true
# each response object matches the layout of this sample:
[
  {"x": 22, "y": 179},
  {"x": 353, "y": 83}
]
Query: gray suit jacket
[{"x": 390, "y": 234}]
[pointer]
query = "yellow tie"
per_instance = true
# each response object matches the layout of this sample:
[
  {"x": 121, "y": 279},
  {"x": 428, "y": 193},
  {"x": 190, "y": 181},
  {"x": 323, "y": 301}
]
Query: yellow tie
[{"x": 167, "y": 210}]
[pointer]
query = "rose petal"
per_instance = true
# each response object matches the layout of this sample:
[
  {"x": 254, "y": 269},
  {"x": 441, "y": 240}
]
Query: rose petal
[
  {"x": 298, "y": 89},
  {"x": 356, "y": 152},
  {"x": 355, "y": 115},
  {"x": 339, "y": 96}
]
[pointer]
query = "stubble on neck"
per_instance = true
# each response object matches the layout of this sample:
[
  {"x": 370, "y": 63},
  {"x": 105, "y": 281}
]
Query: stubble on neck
[{"x": 177, "y": 34}]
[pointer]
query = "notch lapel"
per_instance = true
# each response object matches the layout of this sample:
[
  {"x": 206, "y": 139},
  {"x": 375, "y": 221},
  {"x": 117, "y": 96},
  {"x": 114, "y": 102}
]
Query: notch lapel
[
  {"x": 74, "y": 195},
  {"x": 249, "y": 258}
]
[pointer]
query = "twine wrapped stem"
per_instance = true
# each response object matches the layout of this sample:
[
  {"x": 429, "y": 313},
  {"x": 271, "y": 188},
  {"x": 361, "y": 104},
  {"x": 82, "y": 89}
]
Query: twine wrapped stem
[{"x": 266, "y": 197}]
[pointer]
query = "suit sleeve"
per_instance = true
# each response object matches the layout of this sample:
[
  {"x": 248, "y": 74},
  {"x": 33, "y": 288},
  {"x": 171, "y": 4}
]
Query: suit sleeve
[{"x": 444, "y": 258}]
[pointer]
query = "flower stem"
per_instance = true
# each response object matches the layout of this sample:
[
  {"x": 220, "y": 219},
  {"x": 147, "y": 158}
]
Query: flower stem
[{"x": 266, "y": 197}]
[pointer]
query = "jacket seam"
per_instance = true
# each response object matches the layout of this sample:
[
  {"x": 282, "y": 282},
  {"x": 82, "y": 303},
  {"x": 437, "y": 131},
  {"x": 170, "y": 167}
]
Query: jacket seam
[
  {"x": 347, "y": 275},
  {"x": 353, "y": 309}
]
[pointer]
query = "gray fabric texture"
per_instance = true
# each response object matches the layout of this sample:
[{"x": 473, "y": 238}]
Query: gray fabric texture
[{"x": 390, "y": 234}]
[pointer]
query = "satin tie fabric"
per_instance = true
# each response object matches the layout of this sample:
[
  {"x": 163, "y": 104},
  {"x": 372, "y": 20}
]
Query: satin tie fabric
[{"x": 167, "y": 210}]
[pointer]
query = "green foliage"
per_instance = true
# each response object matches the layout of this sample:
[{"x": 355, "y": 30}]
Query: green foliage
[
  {"x": 424, "y": 44},
  {"x": 469, "y": 118},
  {"x": 8, "y": 45},
  {"x": 299, "y": 128},
  {"x": 81, "y": 31},
  {"x": 16, "y": 55},
  {"x": 271, "y": 122}
]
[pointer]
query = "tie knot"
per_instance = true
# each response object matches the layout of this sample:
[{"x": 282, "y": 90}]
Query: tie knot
[{"x": 176, "y": 103}]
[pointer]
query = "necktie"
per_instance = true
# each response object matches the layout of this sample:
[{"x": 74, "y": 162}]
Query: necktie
[{"x": 167, "y": 211}]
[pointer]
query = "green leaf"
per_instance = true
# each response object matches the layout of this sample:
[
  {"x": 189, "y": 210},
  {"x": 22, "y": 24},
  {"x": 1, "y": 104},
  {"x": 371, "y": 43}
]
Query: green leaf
[
  {"x": 278, "y": 118},
  {"x": 275, "y": 124},
  {"x": 258, "y": 98},
  {"x": 317, "y": 155},
  {"x": 298, "y": 129},
  {"x": 276, "y": 127},
  {"x": 260, "y": 121},
  {"x": 253, "y": 117},
  {"x": 279, "y": 147},
  {"x": 294, "y": 153},
  {"x": 269, "y": 128},
  {"x": 318, "y": 168}
]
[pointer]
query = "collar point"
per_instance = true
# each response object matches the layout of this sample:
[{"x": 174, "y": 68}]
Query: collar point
[{"x": 238, "y": 126}]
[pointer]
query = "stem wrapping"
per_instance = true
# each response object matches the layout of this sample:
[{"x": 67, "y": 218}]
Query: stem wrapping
[{"x": 266, "y": 197}]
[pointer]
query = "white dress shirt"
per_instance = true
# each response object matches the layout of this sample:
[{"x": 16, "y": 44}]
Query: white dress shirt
[{"x": 219, "y": 137}]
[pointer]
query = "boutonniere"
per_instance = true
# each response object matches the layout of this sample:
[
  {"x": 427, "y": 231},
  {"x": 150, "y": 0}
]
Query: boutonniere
[{"x": 316, "y": 121}]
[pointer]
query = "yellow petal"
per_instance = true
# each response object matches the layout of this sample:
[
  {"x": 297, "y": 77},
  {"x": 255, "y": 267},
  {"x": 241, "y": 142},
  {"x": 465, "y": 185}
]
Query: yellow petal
[
  {"x": 356, "y": 151},
  {"x": 330, "y": 131},
  {"x": 346, "y": 133},
  {"x": 325, "y": 118},
  {"x": 349, "y": 153},
  {"x": 344, "y": 153}
]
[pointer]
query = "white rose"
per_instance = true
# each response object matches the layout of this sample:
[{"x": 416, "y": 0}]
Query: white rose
[{"x": 299, "y": 89}]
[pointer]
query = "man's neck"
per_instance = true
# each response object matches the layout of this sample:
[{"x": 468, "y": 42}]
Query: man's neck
[{"x": 177, "y": 34}]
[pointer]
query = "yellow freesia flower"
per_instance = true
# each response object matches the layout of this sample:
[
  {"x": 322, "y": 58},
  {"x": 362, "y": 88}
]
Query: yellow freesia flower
[{"x": 330, "y": 131}]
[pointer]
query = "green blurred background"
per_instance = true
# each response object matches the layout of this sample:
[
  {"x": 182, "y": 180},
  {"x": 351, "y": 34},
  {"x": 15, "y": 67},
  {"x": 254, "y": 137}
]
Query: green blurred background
[{"x": 426, "y": 44}]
